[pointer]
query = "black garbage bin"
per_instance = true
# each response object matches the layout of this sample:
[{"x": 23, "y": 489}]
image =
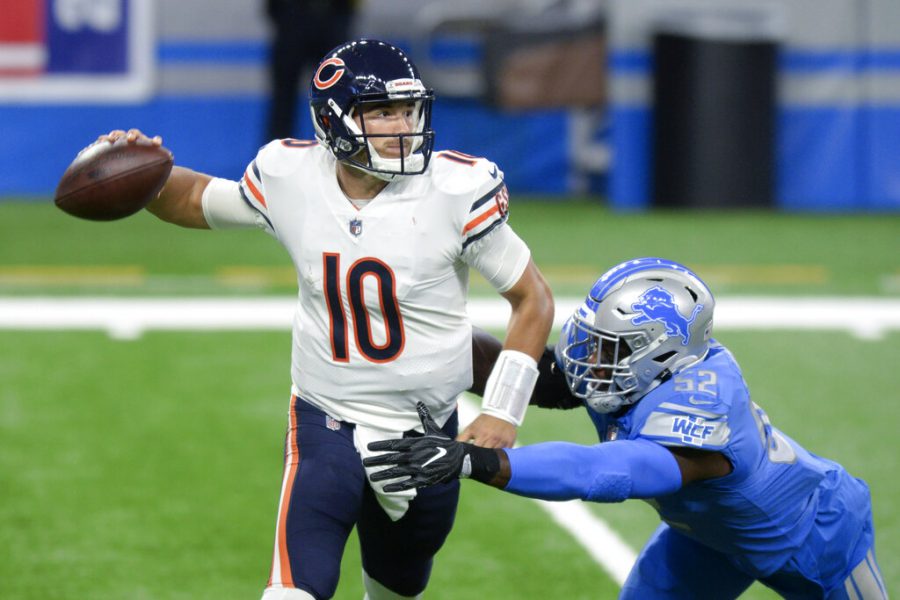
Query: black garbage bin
[{"x": 714, "y": 88}]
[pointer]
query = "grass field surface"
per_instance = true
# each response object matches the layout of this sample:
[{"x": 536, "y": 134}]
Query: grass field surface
[
  {"x": 42, "y": 249},
  {"x": 150, "y": 468}
]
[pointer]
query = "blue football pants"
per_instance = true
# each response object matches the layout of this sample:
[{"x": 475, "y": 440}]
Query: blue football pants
[{"x": 672, "y": 566}]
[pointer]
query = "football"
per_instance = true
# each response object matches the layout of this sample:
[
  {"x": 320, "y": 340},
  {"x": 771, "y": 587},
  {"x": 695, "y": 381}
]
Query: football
[{"x": 109, "y": 181}]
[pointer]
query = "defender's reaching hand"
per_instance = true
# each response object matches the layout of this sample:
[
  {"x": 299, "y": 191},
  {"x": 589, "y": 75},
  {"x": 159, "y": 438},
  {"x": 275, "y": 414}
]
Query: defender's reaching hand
[{"x": 430, "y": 459}]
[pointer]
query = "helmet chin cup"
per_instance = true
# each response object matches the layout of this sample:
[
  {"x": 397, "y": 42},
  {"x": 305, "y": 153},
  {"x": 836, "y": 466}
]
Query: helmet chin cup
[
  {"x": 388, "y": 168},
  {"x": 607, "y": 403}
]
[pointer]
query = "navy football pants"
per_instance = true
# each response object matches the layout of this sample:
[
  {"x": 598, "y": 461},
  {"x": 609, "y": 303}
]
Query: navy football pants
[{"x": 325, "y": 493}]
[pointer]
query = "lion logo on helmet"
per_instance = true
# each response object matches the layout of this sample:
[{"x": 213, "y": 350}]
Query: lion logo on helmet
[{"x": 658, "y": 304}]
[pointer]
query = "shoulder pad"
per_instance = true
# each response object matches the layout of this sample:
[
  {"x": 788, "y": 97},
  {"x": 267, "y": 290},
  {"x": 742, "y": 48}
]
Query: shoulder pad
[
  {"x": 478, "y": 185},
  {"x": 282, "y": 157},
  {"x": 456, "y": 173},
  {"x": 691, "y": 420}
]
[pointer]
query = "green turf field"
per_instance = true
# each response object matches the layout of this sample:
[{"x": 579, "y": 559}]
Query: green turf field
[
  {"x": 42, "y": 249},
  {"x": 151, "y": 468}
]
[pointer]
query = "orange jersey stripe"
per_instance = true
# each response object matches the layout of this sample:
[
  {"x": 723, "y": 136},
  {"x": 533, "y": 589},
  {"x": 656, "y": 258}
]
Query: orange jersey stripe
[
  {"x": 253, "y": 190},
  {"x": 292, "y": 143},
  {"x": 457, "y": 158},
  {"x": 462, "y": 154},
  {"x": 481, "y": 219},
  {"x": 292, "y": 461}
]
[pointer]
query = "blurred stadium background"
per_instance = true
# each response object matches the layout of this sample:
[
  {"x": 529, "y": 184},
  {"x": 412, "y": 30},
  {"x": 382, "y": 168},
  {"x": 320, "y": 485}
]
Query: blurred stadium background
[{"x": 756, "y": 142}]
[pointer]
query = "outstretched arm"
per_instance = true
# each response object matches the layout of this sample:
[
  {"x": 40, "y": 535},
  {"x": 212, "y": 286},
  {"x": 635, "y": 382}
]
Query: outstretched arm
[
  {"x": 607, "y": 472},
  {"x": 181, "y": 199}
]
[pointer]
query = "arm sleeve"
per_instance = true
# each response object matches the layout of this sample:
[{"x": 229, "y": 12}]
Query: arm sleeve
[
  {"x": 608, "y": 472},
  {"x": 501, "y": 257},
  {"x": 224, "y": 206}
]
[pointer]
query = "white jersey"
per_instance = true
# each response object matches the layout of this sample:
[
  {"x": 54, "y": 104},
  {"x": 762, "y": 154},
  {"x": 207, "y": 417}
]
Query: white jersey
[{"x": 381, "y": 317}]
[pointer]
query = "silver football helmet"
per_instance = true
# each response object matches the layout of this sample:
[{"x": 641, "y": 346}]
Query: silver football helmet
[{"x": 642, "y": 321}]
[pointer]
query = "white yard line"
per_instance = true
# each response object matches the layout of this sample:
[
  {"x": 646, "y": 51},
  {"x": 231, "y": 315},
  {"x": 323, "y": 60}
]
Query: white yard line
[
  {"x": 867, "y": 318},
  {"x": 603, "y": 544},
  {"x": 128, "y": 318}
]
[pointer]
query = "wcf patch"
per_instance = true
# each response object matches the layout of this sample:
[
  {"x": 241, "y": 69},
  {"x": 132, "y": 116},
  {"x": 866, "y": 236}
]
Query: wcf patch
[{"x": 693, "y": 430}]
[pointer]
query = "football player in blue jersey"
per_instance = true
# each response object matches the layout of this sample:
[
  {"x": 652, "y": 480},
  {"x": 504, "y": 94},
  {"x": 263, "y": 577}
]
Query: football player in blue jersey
[{"x": 739, "y": 500}]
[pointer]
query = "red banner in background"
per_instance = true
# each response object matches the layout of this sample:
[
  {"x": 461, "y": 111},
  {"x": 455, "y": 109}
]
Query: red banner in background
[
  {"x": 59, "y": 51},
  {"x": 23, "y": 50}
]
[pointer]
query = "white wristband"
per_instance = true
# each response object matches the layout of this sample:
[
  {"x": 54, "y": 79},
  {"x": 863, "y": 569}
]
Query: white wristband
[{"x": 509, "y": 386}]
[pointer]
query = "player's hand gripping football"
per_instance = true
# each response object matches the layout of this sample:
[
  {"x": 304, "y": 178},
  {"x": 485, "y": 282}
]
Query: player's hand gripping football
[
  {"x": 132, "y": 136},
  {"x": 115, "y": 177},
  {"x": 432, "y": 458}
]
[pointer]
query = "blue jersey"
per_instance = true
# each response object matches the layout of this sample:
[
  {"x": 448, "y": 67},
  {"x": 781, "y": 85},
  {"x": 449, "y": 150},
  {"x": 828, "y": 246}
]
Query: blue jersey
[{"x": 781, "y": 504}]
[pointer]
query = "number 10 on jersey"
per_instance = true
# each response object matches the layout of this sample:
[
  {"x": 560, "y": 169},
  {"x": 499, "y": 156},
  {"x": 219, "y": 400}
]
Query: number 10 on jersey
[{"x": 360, "y": 318}]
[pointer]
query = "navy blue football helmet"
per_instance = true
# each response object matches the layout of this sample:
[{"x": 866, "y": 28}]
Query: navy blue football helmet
[
  {"x": 370, "y": 72},
  {"x": 643, "y": 321}
]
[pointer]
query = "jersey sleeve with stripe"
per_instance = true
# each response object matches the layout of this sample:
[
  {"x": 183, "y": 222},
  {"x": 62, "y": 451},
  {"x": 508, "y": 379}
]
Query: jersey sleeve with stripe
[
  {"x": 692, "y": 419},
  {"x": 252, "y": 186},
  {"x": 488, "y": 243},
  {"x": 490, "y": 199},
  {"x": 224, "y": 207}
]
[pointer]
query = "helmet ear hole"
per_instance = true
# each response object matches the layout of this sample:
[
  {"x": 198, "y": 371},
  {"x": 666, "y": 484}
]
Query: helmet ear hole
[{"x": 662, "y": 358}]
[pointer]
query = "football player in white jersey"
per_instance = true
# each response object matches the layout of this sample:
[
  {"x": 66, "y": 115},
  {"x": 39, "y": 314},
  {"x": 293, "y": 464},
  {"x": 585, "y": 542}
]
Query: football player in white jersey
[{"x": 382, "y": 231}]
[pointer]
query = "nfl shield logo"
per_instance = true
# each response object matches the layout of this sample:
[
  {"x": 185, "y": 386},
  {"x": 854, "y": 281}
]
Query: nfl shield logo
[
  {"x": 356, "y": 227},
  {"x": 332, "y": 424}
]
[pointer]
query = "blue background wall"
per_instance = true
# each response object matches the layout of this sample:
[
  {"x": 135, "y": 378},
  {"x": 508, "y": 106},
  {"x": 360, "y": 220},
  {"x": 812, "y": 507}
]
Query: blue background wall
[
  {"x": 838, "y": 131},
  {"x": 831, "y": 156},
  {"x": 208, "y": 102},
  {"x": 220, "y": 135},
  {"x": 838, "y": 101}
]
